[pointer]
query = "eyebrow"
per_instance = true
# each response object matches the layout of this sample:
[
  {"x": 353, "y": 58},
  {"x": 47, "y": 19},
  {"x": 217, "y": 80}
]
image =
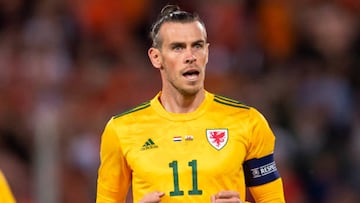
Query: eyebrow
[
  {"x": 183, "y": 43},
  {"x": 200, "y": 41}
]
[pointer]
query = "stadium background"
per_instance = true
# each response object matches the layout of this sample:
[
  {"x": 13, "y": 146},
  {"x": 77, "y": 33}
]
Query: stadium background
[{"x": 67, "y": 66}]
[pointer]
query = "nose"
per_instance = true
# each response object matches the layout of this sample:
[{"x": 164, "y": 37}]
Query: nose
[{"x": 190, "y": 58}]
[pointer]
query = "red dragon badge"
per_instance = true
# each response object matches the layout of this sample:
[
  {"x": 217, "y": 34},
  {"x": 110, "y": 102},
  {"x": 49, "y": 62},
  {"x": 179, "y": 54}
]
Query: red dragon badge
[{"x": 217, "y": 137}]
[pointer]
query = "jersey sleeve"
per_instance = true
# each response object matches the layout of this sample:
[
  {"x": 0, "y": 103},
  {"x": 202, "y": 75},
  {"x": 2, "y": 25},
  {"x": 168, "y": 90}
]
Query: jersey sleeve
[
  {"x": 261, "y": 173},
  {"x": 261, "y": 140},
  {"x": 5, "y": 191},
  {"x": 270, "y": 192},
  {"x": 114, "y": 174}
]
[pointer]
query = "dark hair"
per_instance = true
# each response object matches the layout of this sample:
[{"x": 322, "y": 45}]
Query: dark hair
[{"x": 171, "y": 13}]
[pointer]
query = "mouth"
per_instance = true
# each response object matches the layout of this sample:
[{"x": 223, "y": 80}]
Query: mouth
[{"x": 191, "y": 74}]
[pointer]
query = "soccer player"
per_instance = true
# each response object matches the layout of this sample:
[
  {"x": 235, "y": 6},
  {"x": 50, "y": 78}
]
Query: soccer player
[
  {"x": 5, "y": 191},
  {"x": 187, "y": 144}
]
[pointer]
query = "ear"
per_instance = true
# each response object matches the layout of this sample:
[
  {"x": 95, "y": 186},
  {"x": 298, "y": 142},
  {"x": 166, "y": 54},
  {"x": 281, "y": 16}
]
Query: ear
[
  {"x": 155, "y": 57},
  {"x": 207, "y": 52}
]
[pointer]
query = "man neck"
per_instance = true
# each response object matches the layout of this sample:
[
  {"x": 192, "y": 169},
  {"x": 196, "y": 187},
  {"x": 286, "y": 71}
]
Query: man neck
[{"x": 181, "y": 103}]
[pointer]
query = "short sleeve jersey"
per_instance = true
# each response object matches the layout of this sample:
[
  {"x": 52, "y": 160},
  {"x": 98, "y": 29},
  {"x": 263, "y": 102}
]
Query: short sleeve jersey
[
  {"x": 5, "y": 191},
  {"x": 188, "y": 156}
]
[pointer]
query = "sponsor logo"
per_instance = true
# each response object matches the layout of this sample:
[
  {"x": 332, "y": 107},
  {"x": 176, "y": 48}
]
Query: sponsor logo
[
  {"x": 149, "y": 144},
  {"x": 217, "y": 137}
]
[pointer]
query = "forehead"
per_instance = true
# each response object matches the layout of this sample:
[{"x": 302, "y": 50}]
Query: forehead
[{"x": 182, "y": 32}]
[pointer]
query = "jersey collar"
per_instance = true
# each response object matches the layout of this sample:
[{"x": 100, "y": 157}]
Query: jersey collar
[{"x": 156, "y": 105}]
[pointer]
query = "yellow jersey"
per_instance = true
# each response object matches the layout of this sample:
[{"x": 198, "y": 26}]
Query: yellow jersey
[
  {"x": 5, "y": 191},
  {"x": 223, "y": 145}
]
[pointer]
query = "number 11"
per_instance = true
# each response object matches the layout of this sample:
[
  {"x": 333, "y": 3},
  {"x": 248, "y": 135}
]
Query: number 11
[{"x": 177, "y": 191}]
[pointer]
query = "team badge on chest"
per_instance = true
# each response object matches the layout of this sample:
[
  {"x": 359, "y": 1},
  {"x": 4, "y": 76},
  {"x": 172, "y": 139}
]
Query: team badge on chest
[{"x": 217, "y": 137}]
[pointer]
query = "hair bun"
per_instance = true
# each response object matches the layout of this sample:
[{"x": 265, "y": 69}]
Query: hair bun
[{"x": 169, "y": 9}]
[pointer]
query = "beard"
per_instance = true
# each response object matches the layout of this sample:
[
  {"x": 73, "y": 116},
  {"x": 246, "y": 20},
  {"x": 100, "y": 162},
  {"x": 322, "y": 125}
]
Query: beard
[{"x": 189, "y": 91}]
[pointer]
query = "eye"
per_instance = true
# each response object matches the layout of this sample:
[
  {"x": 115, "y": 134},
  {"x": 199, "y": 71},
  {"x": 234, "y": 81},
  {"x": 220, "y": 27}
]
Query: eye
[
  {"x": 177, "y": 48},
  {"x": 198, "y": 45}
]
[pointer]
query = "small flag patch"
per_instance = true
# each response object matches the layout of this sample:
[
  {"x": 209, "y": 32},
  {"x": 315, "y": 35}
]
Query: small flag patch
[
  {"x": 189, "y": 137},
  {"x": 177, "y": 139}
]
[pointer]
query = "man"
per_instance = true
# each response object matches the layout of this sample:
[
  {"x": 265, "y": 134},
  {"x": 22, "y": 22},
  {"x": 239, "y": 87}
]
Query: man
[
  {"x": 187, "y": 144},
  {"x": 5, "y": 191}
]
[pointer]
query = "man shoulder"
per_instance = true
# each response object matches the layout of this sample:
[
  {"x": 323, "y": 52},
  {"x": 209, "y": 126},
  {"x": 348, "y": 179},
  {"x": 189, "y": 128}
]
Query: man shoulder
[
  {"x": 230, "y": 103},
  {"x": 137, "y": 110},
  {"x": 234, "y": 107}
]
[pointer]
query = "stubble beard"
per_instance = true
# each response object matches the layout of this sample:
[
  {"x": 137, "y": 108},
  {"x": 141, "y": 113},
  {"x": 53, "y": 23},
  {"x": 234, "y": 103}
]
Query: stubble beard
[{"x": 190, "y": 91}]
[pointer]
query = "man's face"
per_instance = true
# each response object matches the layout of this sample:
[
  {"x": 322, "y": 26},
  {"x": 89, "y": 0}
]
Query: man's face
[{"x": 182, "y": 57}]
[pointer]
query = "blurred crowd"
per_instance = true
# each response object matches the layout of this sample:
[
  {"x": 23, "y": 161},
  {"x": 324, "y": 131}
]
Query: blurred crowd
[{"x": 67, "y": 66}]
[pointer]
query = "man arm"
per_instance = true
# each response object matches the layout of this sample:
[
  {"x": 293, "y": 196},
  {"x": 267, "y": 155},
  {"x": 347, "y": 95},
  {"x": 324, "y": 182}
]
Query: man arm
[
  {"x": 226, "y": 196},
  {"x": 269, "y": 192},
  {"x": 5, "y": 191},
  {"x": 153, "y": 197},
  {"x": 114, "y": 174},
  {"x": 261, "y": 174}
]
